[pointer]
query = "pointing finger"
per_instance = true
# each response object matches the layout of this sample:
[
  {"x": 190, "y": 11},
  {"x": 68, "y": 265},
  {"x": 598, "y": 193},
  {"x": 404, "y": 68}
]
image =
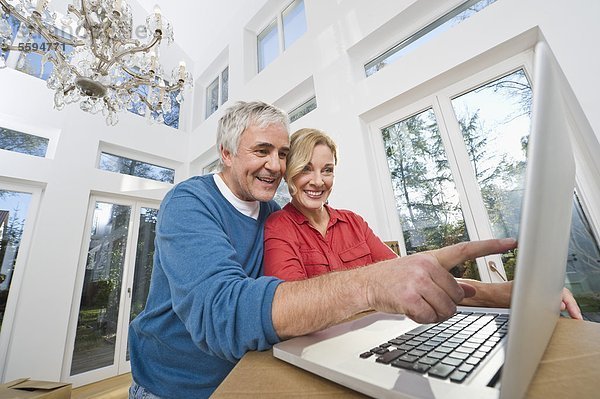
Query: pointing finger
[{"x": 450, "y": 256}]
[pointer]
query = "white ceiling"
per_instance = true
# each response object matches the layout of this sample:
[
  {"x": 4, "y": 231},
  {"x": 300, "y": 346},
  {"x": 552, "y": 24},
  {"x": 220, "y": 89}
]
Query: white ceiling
[{"x": 196, "y": 24}]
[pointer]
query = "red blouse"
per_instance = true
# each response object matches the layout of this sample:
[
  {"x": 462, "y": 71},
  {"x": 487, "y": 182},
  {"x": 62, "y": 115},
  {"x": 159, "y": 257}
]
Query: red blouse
[{"x": 294, "y": 250}]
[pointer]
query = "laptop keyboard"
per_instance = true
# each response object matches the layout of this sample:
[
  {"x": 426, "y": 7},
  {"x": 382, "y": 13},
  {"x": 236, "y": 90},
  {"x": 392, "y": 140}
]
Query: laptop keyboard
[{"x": 451, "y": 349}]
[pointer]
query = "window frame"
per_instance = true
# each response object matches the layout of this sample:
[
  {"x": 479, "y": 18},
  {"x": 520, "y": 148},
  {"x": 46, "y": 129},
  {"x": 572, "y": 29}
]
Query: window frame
[
  {"x": 217, "y": 83},
  {"x": 474, "y": 212},
  {"x": 36, "y": 192},
  {"x": 277, "y": 23},
  {"x": 120, "y": 365}
]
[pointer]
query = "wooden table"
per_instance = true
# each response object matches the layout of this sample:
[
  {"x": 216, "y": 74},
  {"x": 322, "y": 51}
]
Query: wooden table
[{"x": 570, "y": 368}]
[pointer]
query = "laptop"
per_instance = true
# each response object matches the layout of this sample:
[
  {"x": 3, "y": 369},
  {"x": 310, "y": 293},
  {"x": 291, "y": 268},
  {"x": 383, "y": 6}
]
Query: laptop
[{"x": 503, "y": 367}]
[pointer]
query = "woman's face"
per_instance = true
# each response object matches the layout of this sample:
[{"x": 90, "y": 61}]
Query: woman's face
[{"x": 315, "y": 181}]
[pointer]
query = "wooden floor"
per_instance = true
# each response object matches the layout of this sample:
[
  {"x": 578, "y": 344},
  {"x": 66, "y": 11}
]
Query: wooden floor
[{"x": 111, "y": 388}]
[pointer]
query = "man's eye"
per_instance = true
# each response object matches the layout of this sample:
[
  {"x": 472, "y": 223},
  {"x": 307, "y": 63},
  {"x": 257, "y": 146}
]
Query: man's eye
[
  {"x": 262, "y": 151},
  {"x": 282, "y": 155}
]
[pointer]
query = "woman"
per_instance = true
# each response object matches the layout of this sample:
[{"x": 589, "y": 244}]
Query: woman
[{"x": 308, "y": 237}]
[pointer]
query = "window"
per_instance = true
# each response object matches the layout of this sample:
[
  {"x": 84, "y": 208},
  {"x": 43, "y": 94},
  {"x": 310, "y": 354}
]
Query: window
[
  {"x": 170, "y": 107},
  {"x": 294, "y": 23},
  {"x": 583, "y": 264},
  {"x": 304, "y": 109},
  {"x": 282, "y": 195},
  {"x": 212, "y": 167},
  {"x": 99, "y": 306},
  {"x": 464, "y": 178},
  {"x": 281, "y": 33},
  {"x": 23, "y": 143},
  {"x": 268, "y": 45},
  {"x": 454, "y": 17},
  {"x": 13, "y": 214},
  {"x": 217, "y": 93},
  {"x": 9, "y": 25},
  {"x": 132, "y": 167},
  {"x": 120, "y": 253},
  {"x": 426, "y": 196}
]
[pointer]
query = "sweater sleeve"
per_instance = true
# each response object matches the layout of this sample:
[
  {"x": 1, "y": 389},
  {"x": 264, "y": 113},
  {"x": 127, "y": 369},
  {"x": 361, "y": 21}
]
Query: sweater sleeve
[
  {"x": 226, "y": 312},
  {"x": 282, "y": 257}
]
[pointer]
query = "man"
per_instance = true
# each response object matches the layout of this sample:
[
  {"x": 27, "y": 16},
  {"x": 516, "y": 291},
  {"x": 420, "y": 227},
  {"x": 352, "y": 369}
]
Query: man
[{"x": 209, "y": 303}]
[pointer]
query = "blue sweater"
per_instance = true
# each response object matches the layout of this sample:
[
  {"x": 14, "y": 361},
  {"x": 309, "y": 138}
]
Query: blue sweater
[{"x": 207, "y": 304}]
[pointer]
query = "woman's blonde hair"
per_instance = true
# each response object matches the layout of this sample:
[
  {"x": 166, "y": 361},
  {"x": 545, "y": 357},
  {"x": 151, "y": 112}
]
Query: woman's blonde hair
[{"x": 302, "y": 144}]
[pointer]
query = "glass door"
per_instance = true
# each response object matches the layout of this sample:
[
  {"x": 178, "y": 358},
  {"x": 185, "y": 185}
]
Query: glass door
[
  {"x": 113, "y": 284},
  {"x": 18, "y": 205}
]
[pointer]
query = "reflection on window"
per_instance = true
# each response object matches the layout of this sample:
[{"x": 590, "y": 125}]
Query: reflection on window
[
  {"x": 132, "y": 167},
  {"x": 583, "y": 264},
  {"x": 23, "y": 143},
  {"x": 294, "y": 23},
  {"x": 170, "y": 106},
  {"x": 494, "y": 120},
  {"x": 281, "y": 33},
  {"x": 31, "y": 62},
  {"x": 217, "y": 93},
  {"x": 454, "y": 17},
  {"x": 282, "y": 195},
  {"x": 426, "y": 197},
  {"x": 9, "y": 26},
  {"x": 212, "y": 167},
  {"x": 13, "y": 211},
  {"x": 304, "y": 109},
  {"x": 99, "y": 306},
  {"x": 268, "y": 46},
  {"x": 224, "y": 85},
  {"x": 143, "y": 262},
  {"x": 212, "y": 97}
]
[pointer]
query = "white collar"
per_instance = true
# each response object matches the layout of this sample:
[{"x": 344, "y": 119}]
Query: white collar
[{"x": 248, "y": 208}]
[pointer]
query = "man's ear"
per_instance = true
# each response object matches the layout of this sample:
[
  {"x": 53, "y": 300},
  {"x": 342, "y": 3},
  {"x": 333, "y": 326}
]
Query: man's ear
[{"x": 226, "y": 156}]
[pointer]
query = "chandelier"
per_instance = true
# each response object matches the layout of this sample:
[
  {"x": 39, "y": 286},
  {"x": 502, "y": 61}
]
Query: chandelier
[{"x": 96, "y": 60}]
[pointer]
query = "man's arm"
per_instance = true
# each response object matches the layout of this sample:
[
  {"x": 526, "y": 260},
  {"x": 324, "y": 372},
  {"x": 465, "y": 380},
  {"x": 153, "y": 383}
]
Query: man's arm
[{"x": 418, "y": 285}]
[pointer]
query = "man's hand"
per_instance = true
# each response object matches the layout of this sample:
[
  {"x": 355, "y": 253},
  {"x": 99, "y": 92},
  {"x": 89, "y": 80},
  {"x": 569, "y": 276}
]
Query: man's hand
[{"x": 420, "y": 285}]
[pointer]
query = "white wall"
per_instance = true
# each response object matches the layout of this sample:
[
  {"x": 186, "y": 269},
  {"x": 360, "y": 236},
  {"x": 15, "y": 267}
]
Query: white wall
[
  {"x": 68, "y": 176},
  {"x": 342, "y": 35}
]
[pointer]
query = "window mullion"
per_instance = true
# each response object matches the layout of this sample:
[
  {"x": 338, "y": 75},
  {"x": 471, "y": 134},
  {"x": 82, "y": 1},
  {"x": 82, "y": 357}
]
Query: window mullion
[
  {"x": 280, "y": 33},
  {"x": 474, "y": 211}
]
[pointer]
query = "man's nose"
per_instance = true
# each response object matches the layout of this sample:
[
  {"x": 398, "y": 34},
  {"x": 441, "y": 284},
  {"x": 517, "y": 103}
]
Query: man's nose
[{"x": 274, "y": 163}]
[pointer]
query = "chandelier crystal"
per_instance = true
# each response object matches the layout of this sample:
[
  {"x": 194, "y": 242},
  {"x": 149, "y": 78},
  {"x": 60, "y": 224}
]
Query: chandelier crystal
[{"x": 96, "y": 60}]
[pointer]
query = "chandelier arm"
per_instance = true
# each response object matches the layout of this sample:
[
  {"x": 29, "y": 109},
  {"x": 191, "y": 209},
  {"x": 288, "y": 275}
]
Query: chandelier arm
[
  {"x": 136, "y": 75},
  {"x": 157, "y": 38},
  {"x": 6, "y": 6},
  {"x": 141, "y": 96},
  {"x": 74, "y": 10},
  {"x": 173, "y": 87},
  {"x": 12, "y": 11},
  {"x": 92, "y": 38}
]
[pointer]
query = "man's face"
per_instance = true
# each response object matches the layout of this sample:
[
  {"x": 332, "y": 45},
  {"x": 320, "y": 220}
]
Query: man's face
[{"x": 254, "y": 173}]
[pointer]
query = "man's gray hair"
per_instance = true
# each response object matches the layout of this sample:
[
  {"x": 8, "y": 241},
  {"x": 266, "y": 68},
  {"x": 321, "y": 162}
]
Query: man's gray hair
[{"x": 241, "y": 116}]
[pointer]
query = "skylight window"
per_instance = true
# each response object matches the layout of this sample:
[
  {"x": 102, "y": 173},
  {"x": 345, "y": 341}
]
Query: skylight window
[{"x": 453, "y": 18}]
